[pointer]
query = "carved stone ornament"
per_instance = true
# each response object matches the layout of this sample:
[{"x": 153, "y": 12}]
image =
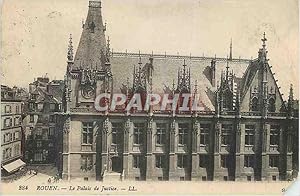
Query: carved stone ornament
[
  {"x": 66, "y": 128},
  {"x": 88, "y": 91}
]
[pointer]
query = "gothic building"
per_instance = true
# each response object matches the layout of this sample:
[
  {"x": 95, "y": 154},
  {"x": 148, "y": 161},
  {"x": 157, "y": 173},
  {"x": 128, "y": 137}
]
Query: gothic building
[
  {"x": 40, "y": 125},
  {"x": 243, "y": 131}
]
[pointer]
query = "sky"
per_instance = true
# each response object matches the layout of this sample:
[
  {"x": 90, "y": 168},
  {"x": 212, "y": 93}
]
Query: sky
[{"x": 34, "y": 33}]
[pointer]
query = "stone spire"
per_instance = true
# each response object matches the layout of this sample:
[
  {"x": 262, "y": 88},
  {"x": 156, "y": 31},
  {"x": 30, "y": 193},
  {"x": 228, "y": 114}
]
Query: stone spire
[
  {"x": 262, "y": 53},
  {"x": 230, "y": 50},
  {"x": 92, "y": 45},
  {"x": 70, "y": 50},
  {"x": 184, "y": 79},
  {"x": 290, "y": 101}
]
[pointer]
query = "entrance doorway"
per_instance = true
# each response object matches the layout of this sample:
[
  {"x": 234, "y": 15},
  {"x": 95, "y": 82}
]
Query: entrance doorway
[{"x": 116, "y": 164}]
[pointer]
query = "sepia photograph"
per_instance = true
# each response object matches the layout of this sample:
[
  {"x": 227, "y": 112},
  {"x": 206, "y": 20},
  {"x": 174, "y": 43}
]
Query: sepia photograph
[{"x": 161, "y": 97}]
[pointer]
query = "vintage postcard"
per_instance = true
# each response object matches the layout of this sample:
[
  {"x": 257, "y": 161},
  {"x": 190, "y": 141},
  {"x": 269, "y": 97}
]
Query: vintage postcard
[{"x": 149, "y": 97}]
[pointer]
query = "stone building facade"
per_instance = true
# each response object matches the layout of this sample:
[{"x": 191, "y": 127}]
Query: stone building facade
[
  {"x": 11, "y": 130},
  {"x": 40, "y": 122},
  {"x": 244, "y": 130}
]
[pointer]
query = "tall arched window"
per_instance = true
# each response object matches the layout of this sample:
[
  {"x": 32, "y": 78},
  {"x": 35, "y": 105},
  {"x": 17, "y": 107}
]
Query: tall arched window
[
  {"x": 254, "y": 106},
  {"x": 271, "y": 105}
]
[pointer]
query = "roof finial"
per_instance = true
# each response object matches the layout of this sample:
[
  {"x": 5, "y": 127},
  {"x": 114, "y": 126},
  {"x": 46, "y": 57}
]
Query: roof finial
[
  {"x": 230, "y": 52},
  {"x": 70, "y": 49},
  {"x": 291, "y": 94},
  {"x": 104, "y": 28},
  {"x": 227, "y": 69},
  {"x": 140, "y": 59},
  {"x": 108, "y": 46},
  {"x": 264, "y": 39}
]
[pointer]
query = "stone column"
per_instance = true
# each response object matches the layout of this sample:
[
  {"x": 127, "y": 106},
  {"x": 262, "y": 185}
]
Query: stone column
[
  {"x": 289, "y": 151},
  {"x": 238, "y": 146},
  {"x": 104, "y": 153},
  {"x": 149, "y": 157},
  {"x": 172, "y": 158},
  {"x": 265, "y": 148},
  {"x": 126, "y": 150},
  {"x": 217, "y": 150},
  {"x": 195, "y": 157}
]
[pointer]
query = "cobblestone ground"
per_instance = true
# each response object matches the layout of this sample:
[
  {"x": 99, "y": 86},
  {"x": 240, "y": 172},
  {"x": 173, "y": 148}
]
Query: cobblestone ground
[{"x": 33, "y": 173}]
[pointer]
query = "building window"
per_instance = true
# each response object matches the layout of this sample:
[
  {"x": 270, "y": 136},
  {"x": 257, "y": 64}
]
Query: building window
[
  {"x": 203, "y": 178},
  {"x": 138, "y": 133},
  {"x": 159, "y": 161},
  {"x": 17, "y": 149},
  {"x": 7, "y": 153},
  {"x": 87, "y": 132},
  {"x": 51, "y": 118},
  {"x": 115, "y": 132},
  {"x": 31, "y": 106},
  {"x": 248, "y": 178},
  {"x": 273, "y": 160},
  {"x": 181, "y": 178},
  {"x": 161, "y": 133},
  {"x": 254, "y": 104},
  {"x": 40, "y": 106},
  {"x": 249, "y": 135},
  {"x": 249, "y": 161},
  {"x": 86, "y": 162},
  {"x": 226, "y": 134},
  {"x": 181, "y": 161},
  {"x": 16, "y": 135},
  {"x": 204, "y": 134},
  {"x": 39, "y": 144},
  {"x": 51, "y": 131},
  {"x": 39, "y": 132},
  {"x": 17, "y": 109},
  {"x": 274, "y": 135},
  {"x": 7, "y": 109},
  {"x": 203, "y": 160},
  {"x": 7, "y": 122},
  {"x": 183, "y": 134},
  {"x": 38, "y": 156},
  {"x": 31, "y": 118},
  {"x": 271, "y": 105},
  {"x": 274, "y": 178},
  {"x": 224, "y": 161},
  {"x": 8, "y": 137},
  {"x": 137, "y": 161},
  {"x": 52, "y": 106},
  {"x": 17, "y": 121}
]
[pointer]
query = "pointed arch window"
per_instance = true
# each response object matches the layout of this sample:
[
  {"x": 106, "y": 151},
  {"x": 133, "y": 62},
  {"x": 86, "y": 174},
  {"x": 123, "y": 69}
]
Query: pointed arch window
[
  {"x": 272, "y": 107},
  {"x": 254, "y": 106}
]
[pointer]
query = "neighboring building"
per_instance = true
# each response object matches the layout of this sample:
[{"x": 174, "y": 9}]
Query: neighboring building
[
  {"x": 243, "y": 132},
  {"x": 40, "y": 127},
  {"x": 11, "y": 130}
]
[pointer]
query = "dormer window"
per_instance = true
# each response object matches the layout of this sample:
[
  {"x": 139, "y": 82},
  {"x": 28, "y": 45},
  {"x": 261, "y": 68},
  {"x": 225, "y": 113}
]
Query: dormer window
[
  {"x": 271, "y": 107},
  {"x": 254, "y": 105}
]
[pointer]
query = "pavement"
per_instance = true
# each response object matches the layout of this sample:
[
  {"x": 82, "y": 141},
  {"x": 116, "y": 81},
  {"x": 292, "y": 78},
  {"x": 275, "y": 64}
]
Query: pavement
[{"x": 36, "y": 173}]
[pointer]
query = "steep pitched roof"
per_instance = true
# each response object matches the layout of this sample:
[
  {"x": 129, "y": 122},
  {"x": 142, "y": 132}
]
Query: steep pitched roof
[
  {"x": 165, "y": 71},
  {"x": 92, "y": 46}
]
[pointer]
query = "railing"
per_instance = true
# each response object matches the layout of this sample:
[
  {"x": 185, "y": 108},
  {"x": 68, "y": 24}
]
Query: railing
[
  {"x": 161, "y": 56},
  {"x": 277, "y": 114},
  {"x": 250, "y": 113}
]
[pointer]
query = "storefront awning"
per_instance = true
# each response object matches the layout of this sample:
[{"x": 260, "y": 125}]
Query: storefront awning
[{"x": 13, "y": 166}]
